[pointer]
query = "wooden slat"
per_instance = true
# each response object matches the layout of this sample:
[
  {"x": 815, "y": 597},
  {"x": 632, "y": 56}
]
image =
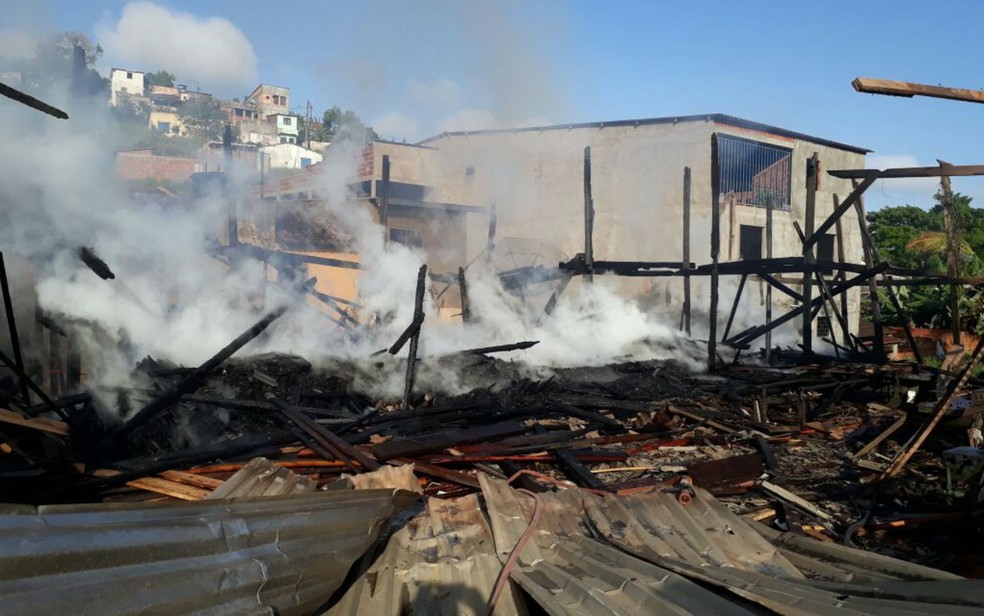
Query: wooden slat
[
  {"x": 169, "y": 488},
  {"x": 52, "y": 426},
  {"x": 198, "y": 481}
]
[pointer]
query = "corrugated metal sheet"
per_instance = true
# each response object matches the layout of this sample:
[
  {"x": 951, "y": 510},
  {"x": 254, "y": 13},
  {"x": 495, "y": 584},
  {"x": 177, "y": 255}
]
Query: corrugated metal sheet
[
  {"x": 568, "y": 573},
  {"x": 583, "y": 577},
  {"x": 261, "y": 477},
  {"x": 441, "y": 562},
  {"x": 278, "y": 554},
  {"x": 705, "y": 532},
  {"x": 704, "y": 541}
]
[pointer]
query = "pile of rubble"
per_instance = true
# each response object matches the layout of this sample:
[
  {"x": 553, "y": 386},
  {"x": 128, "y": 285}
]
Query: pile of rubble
[{"x": 630, "y": 488}]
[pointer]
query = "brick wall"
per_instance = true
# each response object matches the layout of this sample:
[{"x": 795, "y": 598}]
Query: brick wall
[{"x": 141, "y": 165}]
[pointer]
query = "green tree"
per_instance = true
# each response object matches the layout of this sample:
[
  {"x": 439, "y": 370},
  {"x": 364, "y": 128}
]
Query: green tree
[
  {"x": 51, "y": 71},
  {"x": 339, "y": 124},
  {"x": 160, "y": 78},
  {"x": 911, "y": 237},
  {"x": 203, "y": 117}
]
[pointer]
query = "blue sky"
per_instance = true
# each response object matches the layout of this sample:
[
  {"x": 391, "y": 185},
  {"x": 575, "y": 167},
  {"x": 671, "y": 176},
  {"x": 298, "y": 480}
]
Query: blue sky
[{"x": 414, "y": 68}]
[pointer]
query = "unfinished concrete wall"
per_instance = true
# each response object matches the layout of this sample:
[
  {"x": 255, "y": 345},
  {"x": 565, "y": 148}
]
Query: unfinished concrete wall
[{"x": 536, "y": 179}]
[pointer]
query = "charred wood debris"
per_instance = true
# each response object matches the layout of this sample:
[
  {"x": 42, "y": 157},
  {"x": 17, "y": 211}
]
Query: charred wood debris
[{"x": 868, "y": 455}]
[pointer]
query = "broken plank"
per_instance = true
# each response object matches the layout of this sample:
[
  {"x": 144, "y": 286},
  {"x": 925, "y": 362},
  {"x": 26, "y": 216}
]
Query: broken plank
[
  {"x": 436, "y": 443},
  {"x": 878, "y": 440},
  {"x": 787, "y": 496},
  {"x": 52, "y": 426},
  {"x": 169, "y": 488},
  {"x": 702, "y": 420},
  {"x": 198, "y": 481}
]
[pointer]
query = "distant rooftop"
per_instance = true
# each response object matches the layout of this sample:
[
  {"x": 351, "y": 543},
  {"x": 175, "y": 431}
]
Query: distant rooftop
[{"x": 717, "y": 118}]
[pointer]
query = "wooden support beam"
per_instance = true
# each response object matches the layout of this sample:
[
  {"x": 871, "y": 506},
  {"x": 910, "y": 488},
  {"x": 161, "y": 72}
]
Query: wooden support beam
[
  {"x": 715, "y": 252},
  {"x": 558, "y": 291},
  {"x": 589, "y": 214},
  {"x": 952, "y": 251},
  {"x": 908, "y": 172},
  {"x": 941, "y": 408},
  {"x": 734, "y": 305},
  {"x": 871, "y": 260},
  {"x": 812, "y": 177},
  {"x": 779, "y": 286},
  {"x": 842, "y": 275},
  {"x": 490, "y": 244},
  {"x": 686, "y": 250},
  {"x": 463, "y": 295},
  {"x": 8, "y": 306},
  {"x": 384, "y": 190},
  {"x": 769, "y": 207},
  {"x": 908, "y": 89}
]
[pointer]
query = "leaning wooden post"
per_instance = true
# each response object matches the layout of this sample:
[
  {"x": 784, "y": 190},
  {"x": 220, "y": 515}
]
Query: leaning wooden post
[
  {"x": 588, "y": 217},
  {"x": 843, "y": 319},
  {"x": 418, "y": 313},
  {"x": 715, "y": 252},
  {"x": 686, "y": 250},
  {"x": 812, "y": 176},
  {"x": 463, "y": 294},
  {"x": 768, "y": 288}
]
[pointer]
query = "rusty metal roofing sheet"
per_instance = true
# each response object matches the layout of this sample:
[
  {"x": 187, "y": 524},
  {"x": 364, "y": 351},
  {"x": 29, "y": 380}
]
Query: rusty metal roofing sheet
[
  {"x": 261, "y": 477},
  {"x": 441, "y": 562},
  {"x": 278, "y": 554}
]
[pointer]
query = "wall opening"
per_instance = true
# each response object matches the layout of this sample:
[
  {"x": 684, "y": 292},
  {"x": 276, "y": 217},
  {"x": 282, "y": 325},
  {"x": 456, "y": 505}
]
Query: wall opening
[
  {"x": 407, "y": 237},
  {"x": 750, "y": 243},
  {"x": 753, "y": 173}
]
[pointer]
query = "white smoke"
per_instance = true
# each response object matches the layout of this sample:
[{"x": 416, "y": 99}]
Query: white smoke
[{"x": 211, "y": 52}]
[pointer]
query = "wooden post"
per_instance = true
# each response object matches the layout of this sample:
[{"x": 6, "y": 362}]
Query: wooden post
[
  {"x": 715, "y": 252},
  {"x": 490, "y": 245},
  {"x": 463, "y": 293},
  {"x": 812, "y": 175},
  {"x": 384, "y": 189},
  {"x": 769, "y": 205},
  {"x": 841, "y": 259},
  {"x": 871, "y": 260},
  {"x": 418, "y": 313},
  {"x": 588, "y": 217},
  {"x": 731, "y": 228},
  {"x": 15, "y": 346},
  {"x": 952, "y": 252},
  {"x": 686, "y": 250}
]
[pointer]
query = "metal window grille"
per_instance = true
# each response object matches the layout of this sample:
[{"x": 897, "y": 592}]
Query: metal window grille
[
  {"x": 752, "y": 173},
  {"x": 823, "y": 327}
]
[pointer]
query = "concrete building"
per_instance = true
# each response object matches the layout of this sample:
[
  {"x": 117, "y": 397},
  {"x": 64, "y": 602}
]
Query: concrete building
[
  {"x": 535, "y": 177},
  {"x": 124, "y": 81},
  {"x": 285, "y": 126},
  {"x": 270, "y": 100},
  {"x": 167, "y": 120},
  {"x": 288, "y": 156}
]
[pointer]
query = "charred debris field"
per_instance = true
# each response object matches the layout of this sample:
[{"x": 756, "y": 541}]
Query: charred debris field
[{"x": 781, "y": 475}]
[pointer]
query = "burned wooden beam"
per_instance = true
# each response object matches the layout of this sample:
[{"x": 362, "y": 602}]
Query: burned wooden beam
[
  {"x": 8, "y": 306},
  {"x": 93, "y": 262},
  {"x": 909, "y": 172},
  {"x": 941, "y": 408},
  {"x": 384, "y": 190},
  {"x": 812, "y": 184},
  {"x": 908, "y": 89},
  {"x": 436, "y": 443},
  {"x": 33, "y": 103},
  {"x": 325, "y": 438},
  {"x": 502, "y": 348},
  {"x": 418, "y": 315},
  {"x": 26, "y": 380},
  {"x": 194, "y": 380},
  {"x": 579, "y": 473},
  {"x": 813, "y": 236},
  {"x": 589, "y": 214},
  {"x": 734, "y": 306},
  {"x": 715, "y": 253},
  {"x": 686, "y": 250},
  {"x": 409, "y": 332},
  {"x": 463, "y": 295}
]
